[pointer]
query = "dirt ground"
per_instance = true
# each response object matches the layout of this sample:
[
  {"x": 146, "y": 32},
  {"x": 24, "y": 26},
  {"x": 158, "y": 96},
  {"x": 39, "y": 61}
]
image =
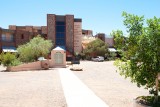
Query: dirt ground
[{"x": 31, "y": 89}]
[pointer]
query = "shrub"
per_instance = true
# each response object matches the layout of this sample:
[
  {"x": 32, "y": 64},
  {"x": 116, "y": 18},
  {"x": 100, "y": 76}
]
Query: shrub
[
  {"x": 8, "y": 59},
  {"x": 37, "y": 47},
  {"x": 95, "y": 48}
]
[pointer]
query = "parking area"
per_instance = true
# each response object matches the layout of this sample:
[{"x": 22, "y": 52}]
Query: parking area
[
  {"x": 102, "y": 78},
  {"x": 44, "y": 89}
]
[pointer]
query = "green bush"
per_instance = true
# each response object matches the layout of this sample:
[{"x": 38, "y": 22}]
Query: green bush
[
  {"x": 16, "y": 62},
  {"x": 37, "y": 47},
  {"x": 112, "y": 56},
  {"x": 8, "y": 59},
  {"x": 96, "y": 48}
]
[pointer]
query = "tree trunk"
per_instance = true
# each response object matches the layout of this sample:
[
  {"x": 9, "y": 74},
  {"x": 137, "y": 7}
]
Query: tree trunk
[{"x": 156, "y": 94}]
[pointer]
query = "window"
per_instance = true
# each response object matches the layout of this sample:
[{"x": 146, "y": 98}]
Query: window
[
  {"x": 60, "y": 33},
  {"x": 22, "y": 36},
  {"x": 11, "y": 37},
  {"x": 7, "y": 37},
  {"x": 60, "y": 23},
  {"x": 60, "y": 42},
  {"x": 3, "y": 37},
  {"x": 60, "y": 28}
]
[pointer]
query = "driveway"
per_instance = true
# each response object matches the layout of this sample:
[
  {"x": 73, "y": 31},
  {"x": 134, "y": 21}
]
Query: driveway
[
  {"x": 44, "y": 88},
  {"x": 102, "y": 78}
]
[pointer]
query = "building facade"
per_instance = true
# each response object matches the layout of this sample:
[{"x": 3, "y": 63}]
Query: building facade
[
  {"x": 64, "y": 30},
  {"x": 106, "y": 38}
]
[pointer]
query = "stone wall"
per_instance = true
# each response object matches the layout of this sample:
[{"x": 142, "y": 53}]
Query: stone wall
[
  {"x": 44, "y": 29},
  {"x": 51, "y": 27},
  {"x": 22, "y": 37},
  {"x": 70, "y": 33},
  {"x": 29, "y": 28},
  {"x": 12, "y": 27},
  {"x": 77, "y": 37},
  {"x": 26, "y": 67}
]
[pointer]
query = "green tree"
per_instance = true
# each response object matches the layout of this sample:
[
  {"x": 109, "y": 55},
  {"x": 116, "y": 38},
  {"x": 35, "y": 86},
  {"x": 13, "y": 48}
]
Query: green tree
[
  {"x": 119, "y": 42},
  {"x": 37, "y": 47},
  {"x": 119, "y": 39},
  {"x": 96, "y": 48},
  {"x": 142, "y": 63}
]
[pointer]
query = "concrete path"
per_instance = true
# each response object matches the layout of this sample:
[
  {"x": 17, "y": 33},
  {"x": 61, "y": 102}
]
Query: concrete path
[{"x": 77, "y": 94}]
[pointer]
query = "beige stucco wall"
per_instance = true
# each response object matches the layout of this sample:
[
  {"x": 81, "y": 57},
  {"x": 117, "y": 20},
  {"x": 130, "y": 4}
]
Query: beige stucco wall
[
  {"x": 26, "y": 67},
  {"x": 39, "y": 65},
  {"x": 77, "y": 37},
  {"x": 52, "y": 62}
]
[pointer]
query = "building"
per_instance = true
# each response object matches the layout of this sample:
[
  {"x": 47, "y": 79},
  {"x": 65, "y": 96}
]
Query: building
[
  {"x": 100, "y": 36},
  {"x": 87, "y": 32},
  {"x": 64, "y": 30},
  {"x": 106, "y": 38},
  {"x": 110, "y": 41}
]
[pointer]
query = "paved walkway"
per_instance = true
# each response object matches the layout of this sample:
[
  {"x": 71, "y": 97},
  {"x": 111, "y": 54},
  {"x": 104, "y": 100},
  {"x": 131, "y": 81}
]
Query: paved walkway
[{"x": 76, "y": 93}]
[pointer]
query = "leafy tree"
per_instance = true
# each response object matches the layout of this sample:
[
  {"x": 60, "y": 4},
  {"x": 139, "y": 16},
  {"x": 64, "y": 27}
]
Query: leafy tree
[
  {"x": 96, "y": 48},
  {"x": 37, "y": 47},
  {"x": 119, "y": 39},
  {"x": 142, "y": 63},
  {"x": 119, "y": 42},
  {"x": 134, "y": 25}
]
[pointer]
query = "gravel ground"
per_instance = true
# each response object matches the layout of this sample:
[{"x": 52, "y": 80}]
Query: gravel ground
[
  {"x": 43, "y": 88},
  {"x": 31, "y": 89},
  {"x": 102, "y": 78}
]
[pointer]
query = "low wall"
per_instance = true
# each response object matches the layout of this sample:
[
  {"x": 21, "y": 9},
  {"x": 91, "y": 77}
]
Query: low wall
[
  {"x": 38, "y": 65},
  {"x": 26, "y": 67}
]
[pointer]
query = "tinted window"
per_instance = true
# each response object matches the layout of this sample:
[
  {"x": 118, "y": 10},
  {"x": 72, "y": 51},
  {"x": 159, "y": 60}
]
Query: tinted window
[
  {"x": 60, "y": 23},
  {"x": 60, "y": 42},
  {"x": 60, "y": 28},
  {"x": 60, "y": 35}
]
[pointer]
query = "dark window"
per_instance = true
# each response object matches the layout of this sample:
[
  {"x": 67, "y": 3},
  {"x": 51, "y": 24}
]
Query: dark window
[
  {"x": 60, "y": 35},
  {"x": 60, "y": 28},
  {"x": 60, "y": 42},
  {"x": 60, "y": 23},
  {"x": 22, "y": 36}
]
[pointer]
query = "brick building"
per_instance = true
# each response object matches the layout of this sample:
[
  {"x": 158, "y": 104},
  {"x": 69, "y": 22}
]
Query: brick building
[
  {"x": 106, "y": 38},
  {"x": 100, "y": 36},
  {"x": 65, "y": 31},
  {"x": 87, "y": 32}
]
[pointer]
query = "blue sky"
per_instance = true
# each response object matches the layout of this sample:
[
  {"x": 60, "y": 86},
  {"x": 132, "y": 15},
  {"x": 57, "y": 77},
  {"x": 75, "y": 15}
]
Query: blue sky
[{"x": 101, "y": 16}]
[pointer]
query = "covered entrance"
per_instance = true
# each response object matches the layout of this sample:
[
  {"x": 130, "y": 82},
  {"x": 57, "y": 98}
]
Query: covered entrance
[{"x": 58, "y": 57}]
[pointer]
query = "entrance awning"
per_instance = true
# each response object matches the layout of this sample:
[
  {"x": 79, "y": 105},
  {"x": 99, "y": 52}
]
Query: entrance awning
[{"x": 9, "y": 49}]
